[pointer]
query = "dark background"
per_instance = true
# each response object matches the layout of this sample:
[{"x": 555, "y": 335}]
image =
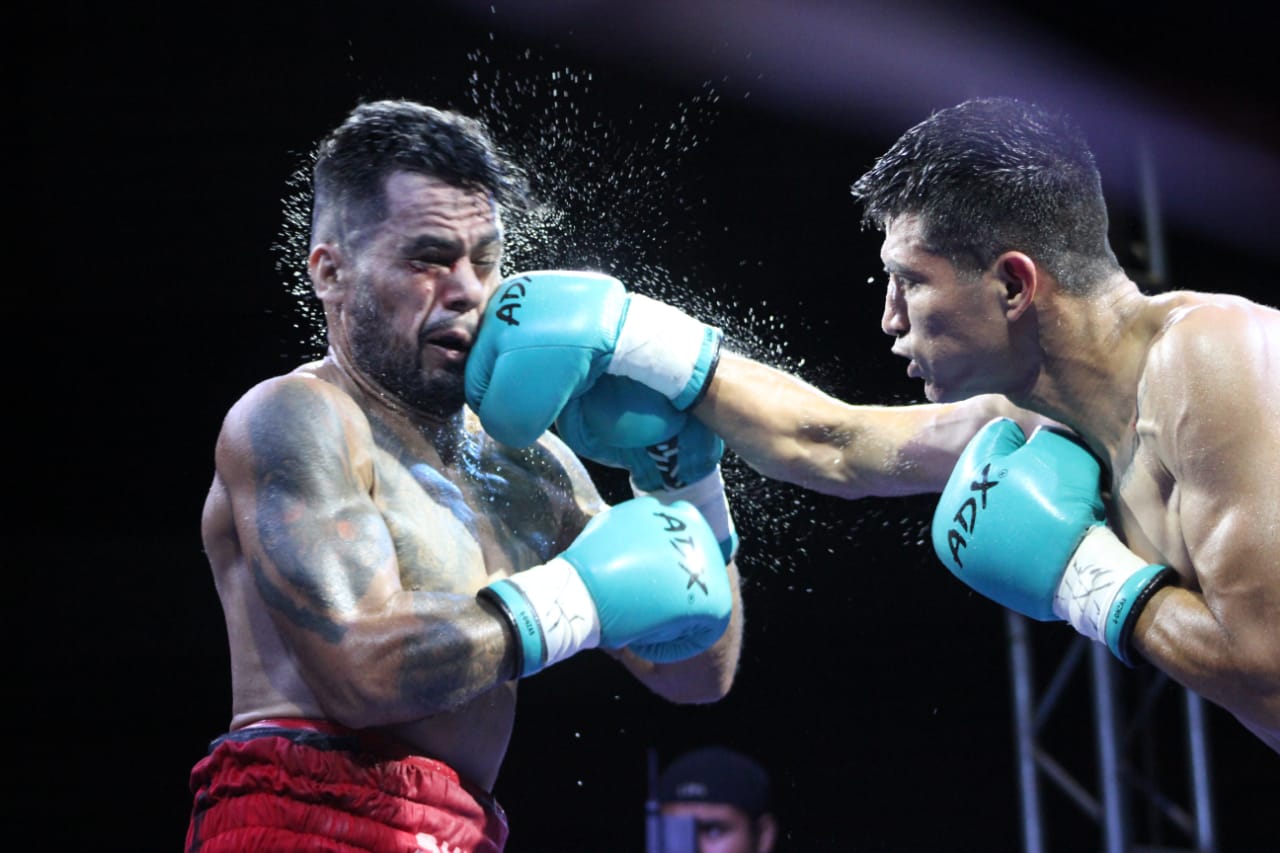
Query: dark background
[{"x": 701, "y": 150}]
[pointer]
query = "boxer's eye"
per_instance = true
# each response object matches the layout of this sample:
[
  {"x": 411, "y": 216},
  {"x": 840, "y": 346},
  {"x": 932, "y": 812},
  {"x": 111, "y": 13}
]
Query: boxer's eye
[
  {"x": 431, "y": 264},
  {"x": 902, "y": 282}
]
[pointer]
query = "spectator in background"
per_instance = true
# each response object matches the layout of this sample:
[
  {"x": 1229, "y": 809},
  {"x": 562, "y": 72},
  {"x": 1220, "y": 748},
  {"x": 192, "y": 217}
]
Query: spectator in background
[{"x": 725, "y": 795}]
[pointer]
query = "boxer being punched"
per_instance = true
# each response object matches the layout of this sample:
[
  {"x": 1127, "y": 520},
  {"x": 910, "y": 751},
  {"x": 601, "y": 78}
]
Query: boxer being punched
[
  {"x": 387, "y": 570},
  {"x": 1154, "y": 527}
]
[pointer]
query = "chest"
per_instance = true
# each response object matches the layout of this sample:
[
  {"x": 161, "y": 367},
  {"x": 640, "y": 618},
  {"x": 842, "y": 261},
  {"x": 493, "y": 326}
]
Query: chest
[
  {"x": 1144, "y": 501},
  {"x": 458, "y": 528}
]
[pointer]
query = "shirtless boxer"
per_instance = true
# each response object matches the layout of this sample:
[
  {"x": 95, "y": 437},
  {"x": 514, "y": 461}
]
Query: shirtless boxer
[
  {"x": 1001, "y": 281},
  {"x": 387, "y": 570}
]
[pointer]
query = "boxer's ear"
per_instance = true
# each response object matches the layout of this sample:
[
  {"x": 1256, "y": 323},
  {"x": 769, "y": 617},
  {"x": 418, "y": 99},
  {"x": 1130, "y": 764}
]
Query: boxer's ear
[
  {"x": 325, "y": 266},
  {"x": 1021, "y": 277}
]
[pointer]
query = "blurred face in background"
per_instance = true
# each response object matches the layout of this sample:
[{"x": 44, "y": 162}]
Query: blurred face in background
[{"x": 722, "y": 828}]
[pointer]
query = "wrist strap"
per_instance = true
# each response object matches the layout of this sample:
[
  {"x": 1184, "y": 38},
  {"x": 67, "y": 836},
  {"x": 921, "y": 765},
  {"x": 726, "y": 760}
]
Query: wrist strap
[
  {"x": 1105, "y": 588},
  {"x": 551, "y": 611},
  {"x": 1133, "y": 596},
  {"x": 665, "y": 349},
  {"x": 709, "y": 497}
]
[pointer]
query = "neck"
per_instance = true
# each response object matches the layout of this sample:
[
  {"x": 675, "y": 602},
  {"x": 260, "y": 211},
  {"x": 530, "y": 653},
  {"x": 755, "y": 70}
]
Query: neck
[
  {"x": 445, "y": 432},
  {"x": 1093, "y": 351}
]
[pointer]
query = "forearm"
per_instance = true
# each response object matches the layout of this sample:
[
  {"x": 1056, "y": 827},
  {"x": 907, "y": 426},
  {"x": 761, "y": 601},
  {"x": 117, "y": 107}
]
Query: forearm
[
  {"x": 423, "y": 654},
  {"x": 780, "y": 425},
  {"x": 1239, "y": 670},
  {"x": 788, "y": 430}
]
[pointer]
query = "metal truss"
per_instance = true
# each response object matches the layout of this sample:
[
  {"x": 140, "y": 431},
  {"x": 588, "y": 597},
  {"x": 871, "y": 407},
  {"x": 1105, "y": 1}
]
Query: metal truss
[{"x": 1121, "y": 783}]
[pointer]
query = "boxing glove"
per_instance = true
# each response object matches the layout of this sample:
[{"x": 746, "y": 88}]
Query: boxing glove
[
  {"x": 641, "y": 575},
  {"x": 1022, "y": 522},
  {"x": 669, "y": 455},
  {"x": 547, "y": 336}
]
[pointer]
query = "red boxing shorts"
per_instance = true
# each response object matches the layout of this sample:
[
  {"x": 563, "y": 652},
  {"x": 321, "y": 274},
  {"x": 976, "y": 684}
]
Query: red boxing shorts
[{"x": 308, "y": 785}]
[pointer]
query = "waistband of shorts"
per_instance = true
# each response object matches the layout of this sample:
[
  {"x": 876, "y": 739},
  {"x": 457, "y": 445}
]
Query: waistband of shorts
[{"x": 327, "y": 735}]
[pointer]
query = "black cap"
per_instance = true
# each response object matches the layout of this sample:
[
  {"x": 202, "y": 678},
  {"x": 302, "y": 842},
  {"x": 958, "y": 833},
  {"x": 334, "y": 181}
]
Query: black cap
[{"x": 716, "y": 774}]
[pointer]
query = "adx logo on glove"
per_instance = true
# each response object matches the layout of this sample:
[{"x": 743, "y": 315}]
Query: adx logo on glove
[
  {"x": 508, "y": 301},
  {"x": 620, "y": 584},
  {"x": 691, "y": 560},
  {"x": 1042, "y": 547},
  {"x": 966, "y": 517}
]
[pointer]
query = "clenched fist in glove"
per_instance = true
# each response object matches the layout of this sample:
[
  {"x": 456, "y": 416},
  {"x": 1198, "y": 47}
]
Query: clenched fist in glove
[
  {"x": 1022, "y": 522},
  {"x": 547, "y": 336}
]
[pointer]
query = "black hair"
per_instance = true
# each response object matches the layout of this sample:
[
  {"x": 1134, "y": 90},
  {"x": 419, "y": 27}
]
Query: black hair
[
  {"x": 378, "y": 138},
  {"x": 992, "y": 175}
]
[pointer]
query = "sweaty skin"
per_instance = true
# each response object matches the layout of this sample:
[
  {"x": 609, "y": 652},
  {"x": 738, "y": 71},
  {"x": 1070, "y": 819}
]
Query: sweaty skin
[
  {"x": 1194, "y": 489},
  {"x": 1179, "y": 394},
  {"x": 349, "y": 531}
]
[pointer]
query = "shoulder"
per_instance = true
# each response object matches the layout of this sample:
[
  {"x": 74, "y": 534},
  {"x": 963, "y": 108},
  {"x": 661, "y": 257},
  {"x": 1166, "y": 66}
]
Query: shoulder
[
  {"x": 1212, "y": 343},
  {"x": 1213, "y": 370},
  {"x": 291, "y": 415},
  {"x": 297, "y": 396},
  {"x": 1194, "y": 327}
]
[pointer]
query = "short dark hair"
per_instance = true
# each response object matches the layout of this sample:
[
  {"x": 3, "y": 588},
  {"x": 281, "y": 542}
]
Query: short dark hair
[
  {"x": 378, "y": 138},
  {"x": 992, "y": 175}
]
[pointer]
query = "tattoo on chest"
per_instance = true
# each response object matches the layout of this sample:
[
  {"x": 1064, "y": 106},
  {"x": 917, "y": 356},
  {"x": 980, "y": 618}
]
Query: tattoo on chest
[{"x": 486, "y": 492}]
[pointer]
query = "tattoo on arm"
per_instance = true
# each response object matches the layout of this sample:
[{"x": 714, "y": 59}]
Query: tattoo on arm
[{"x": 325, "y": 552}]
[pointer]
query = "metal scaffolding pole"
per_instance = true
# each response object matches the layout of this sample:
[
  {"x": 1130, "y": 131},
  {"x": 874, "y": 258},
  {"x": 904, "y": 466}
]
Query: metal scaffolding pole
[{"x": 1126, "y": 785}]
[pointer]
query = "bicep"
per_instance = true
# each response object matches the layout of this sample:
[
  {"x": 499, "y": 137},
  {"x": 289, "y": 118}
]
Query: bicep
[
  {"x": 1222, "y": 445},
  {"x": 314, "y": 543},
  {"x": 1223, "y": 450}
]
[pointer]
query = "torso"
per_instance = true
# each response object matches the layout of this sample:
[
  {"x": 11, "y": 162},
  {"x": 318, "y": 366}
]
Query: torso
[
  {"x": 484, "y": 513},
  {"x": 1144, "y": 503},
  {"x": 1148, "y": 504}
]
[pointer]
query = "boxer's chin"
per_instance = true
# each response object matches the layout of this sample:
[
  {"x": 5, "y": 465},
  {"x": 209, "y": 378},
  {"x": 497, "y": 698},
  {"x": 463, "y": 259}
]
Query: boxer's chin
[
  {"x": 438, "y": 392},
  {"x": 444, "y": 393}
]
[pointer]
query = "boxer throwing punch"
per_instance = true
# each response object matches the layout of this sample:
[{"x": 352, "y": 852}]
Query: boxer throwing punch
[
  {"x": 386, "y": 569},
  {"x": 1153, "y": 527}
]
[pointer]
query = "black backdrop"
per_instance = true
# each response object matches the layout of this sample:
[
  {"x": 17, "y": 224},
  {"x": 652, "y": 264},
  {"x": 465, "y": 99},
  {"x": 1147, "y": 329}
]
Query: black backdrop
[{"x": 149, "y": 152}]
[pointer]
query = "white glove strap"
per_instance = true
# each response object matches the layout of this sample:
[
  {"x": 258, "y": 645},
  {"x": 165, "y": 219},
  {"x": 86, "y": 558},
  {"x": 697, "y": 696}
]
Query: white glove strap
[
  {"x": 565, "y": 610},
  {"x": 658, "y": 346},
  {"x": 708, "y": 496},
  {"x": 1094, "y": 577}
]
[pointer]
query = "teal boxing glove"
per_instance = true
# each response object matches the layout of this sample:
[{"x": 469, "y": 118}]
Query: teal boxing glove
[
  {"x": 1022, "y": 522},
  {"x": 670, "y": 455},
  {"x": 547, "y": 336},
  {"x": 640, "y": 575}
]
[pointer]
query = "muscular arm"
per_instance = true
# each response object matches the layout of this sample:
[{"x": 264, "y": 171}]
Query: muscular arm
[
  {"x": 788, "y": 430},
  {"x": 314, "y": 592},
  {"x": 1218, "y": 422}
]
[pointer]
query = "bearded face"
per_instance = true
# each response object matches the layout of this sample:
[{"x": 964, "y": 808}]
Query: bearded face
[{"x": 399, "y": 364}]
